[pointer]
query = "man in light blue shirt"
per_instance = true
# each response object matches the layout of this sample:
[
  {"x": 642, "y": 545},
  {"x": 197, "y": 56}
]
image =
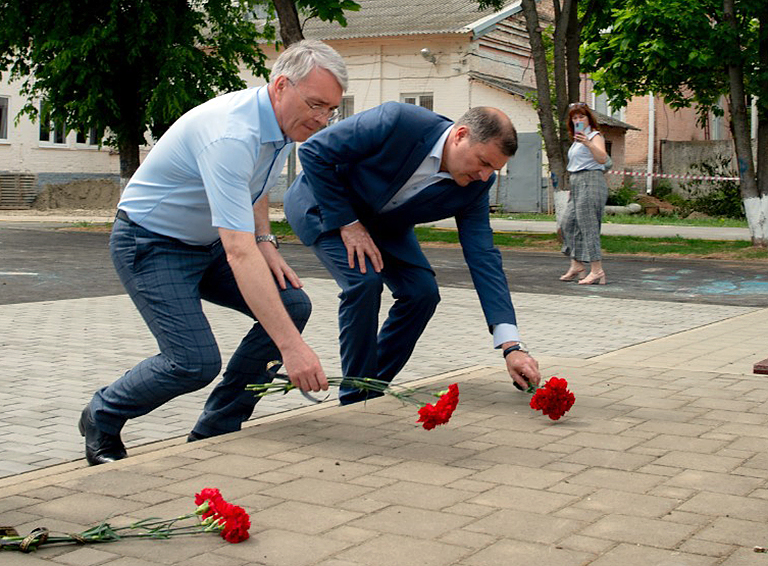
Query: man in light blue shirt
[{"x": 193, "y": 224}]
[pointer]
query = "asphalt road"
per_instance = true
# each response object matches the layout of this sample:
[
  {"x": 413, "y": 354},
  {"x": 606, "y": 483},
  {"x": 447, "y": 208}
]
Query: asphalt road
[{"x": 40, "y": 262}]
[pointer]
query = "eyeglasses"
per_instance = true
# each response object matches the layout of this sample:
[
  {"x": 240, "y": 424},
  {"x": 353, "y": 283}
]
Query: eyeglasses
[
  {"x": 317, "y": 110},
  {"x": 576, "y": 104}
]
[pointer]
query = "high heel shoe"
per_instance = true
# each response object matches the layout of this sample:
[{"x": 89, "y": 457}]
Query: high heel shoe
[
  {"x": 595, "y": 278},
  {"x": 571, "y": 275}
]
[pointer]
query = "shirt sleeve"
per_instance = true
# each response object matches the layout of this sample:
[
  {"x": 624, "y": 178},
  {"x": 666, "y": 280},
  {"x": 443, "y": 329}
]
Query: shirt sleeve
[
  {"x": 505, "y": 332},
  {"x": 226, "y": 167}
]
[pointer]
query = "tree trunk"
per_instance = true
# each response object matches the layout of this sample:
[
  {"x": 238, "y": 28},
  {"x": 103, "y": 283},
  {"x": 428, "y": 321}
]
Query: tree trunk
[
  {"x": 290, "y": 28},
  {"x": 129, "y": 160},
  {"x": 573, "y": 68},
  {"x": 562, "y": 20},
  {"x": 753, "y": 201},
  {"x": 544, "y": 107},
  {"x": 762, "y": 118}
]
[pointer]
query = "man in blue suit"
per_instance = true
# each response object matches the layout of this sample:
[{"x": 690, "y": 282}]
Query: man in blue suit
[{"x": 366, "y": 182}]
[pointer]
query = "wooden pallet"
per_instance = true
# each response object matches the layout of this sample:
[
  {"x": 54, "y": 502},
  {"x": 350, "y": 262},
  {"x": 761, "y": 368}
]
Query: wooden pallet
[{"x": 17, "y": 190}]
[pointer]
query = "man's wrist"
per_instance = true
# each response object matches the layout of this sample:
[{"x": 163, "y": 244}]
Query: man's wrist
[
  {"x": 516, "y": 347},
  {"x": 271, "y": 238}
]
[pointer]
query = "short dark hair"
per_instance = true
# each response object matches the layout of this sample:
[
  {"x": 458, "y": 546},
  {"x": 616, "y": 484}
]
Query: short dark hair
[{"x": 490, "y": 124}]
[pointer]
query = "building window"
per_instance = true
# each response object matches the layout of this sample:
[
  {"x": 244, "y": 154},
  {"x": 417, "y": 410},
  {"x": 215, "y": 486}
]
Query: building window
[
  {"x": 88, "y": 137},
  {"x": 347, "y": 107},
  {"x": 3, "y": 118},
  {"x": 601, "y": 105},
  {"x": 423, "y": 100},
  {"x": 718, "y": 127},
  {"x": 51, "y": 131}
]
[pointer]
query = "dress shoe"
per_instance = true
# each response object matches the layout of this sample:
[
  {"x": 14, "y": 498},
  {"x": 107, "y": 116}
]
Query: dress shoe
[
  {"x": 193, "y": 436},
  {"x": 594, "y": 278},
  {"x": 100, "y": 447}
]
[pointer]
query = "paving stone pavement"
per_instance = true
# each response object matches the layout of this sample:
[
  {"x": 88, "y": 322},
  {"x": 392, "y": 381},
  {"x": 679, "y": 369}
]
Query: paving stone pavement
[
  {"x": 662, "y": 460},
  {"x": 56, "y": 354},
  {"x": 652, "y": 466}
]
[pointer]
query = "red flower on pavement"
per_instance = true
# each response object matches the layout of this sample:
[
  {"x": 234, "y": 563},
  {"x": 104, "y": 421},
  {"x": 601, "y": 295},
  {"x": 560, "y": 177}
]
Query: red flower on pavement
[
  {"x": 232, "y": 520},
  {"x": 440, "y": 413},
  {"x": 212, "y": 496},
  {"x": 554, "y": 399},
  {"x": 213, "y": 513},
  {"x": 236, "y": 524}
]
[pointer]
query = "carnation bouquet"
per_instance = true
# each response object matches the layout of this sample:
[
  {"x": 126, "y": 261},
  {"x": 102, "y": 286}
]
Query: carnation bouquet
[
  {"x": 429, "y": 415},
  {"x": 554, "y": 399},
  {"x": 213, "y": 514}
]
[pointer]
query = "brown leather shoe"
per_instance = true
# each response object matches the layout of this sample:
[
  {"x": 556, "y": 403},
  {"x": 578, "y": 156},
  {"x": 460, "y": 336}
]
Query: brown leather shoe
[{"x": 100, "y": 447}]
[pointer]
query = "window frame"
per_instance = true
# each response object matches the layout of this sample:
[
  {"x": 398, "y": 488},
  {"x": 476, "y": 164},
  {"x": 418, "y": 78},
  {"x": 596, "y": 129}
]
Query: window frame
[
  {"x": 52, "y": 128},
  {"x": 5, "y": 118},
  {"x": 419, "y": 98}
]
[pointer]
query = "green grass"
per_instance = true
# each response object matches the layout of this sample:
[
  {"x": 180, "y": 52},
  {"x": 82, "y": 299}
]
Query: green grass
[
  {"x": 666, "y": 220},
  {"x": 625, "y": 245}
]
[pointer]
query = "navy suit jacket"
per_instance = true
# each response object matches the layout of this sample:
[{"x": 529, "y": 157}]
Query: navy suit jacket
[{"x": 352, "y": 169}]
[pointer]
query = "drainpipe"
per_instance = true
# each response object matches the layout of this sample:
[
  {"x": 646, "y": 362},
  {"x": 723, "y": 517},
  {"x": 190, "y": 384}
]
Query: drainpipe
[
  {"x": 754, "y": 118},
  {"x": 651, "y": 142}
]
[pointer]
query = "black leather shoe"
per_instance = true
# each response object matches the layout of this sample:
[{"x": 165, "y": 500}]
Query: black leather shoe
[
  {"x": 193, "y": 436},
  {"x": 100, "y": 447}
]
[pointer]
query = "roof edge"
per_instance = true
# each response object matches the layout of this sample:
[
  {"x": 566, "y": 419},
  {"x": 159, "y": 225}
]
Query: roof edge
[{"x": 485, "y": 24}]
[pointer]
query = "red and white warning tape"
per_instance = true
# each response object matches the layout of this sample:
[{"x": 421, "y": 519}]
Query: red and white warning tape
[{"x": 671, "y": 176}]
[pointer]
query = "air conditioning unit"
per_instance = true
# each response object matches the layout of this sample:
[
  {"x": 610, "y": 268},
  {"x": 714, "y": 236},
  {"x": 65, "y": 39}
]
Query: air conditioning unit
[{"x": 17, "y": 190}]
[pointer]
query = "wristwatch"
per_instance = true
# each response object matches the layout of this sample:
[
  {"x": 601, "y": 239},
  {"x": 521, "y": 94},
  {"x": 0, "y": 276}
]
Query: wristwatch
[
  {"x": 268, "y": 238},
  {"x": 519, "y": 347}
]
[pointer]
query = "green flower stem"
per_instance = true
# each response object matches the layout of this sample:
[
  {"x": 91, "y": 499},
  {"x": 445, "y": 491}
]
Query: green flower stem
[
  {"x": 400, "y": 392},
  {"x": 104, "y": 532}
]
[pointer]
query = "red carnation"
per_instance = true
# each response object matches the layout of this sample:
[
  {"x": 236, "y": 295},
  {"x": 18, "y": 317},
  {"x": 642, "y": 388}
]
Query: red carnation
[
  {"x": 554, "y": 399},
  {"x": 233, "y": 520},
  {"x": 236, "y": 524},
  {"x": 440, "y": 413}
]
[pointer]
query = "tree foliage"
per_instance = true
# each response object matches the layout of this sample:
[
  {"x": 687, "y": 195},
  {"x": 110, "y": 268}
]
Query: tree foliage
[
  {"x": 692, "y": 53},
  {"x": 132, "y": 66}
]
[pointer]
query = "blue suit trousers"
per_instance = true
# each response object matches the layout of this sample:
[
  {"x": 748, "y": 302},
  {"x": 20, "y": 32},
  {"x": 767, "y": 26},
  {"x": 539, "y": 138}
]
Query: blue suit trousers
[
  {"x": 167, "y": 281},
  {"x": 367, "y": 351}
]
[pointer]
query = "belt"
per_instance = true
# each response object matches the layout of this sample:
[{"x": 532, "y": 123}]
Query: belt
[{"x": 122, "y": 215}]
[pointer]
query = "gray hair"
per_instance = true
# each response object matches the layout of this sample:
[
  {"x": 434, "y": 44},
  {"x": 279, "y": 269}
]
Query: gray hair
[
  {"x": 490, "y": 124},
  {"x": 302, "y": 57}
]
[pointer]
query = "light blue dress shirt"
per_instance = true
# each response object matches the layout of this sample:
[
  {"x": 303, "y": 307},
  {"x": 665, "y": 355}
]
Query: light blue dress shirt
[{"x": 209, "y": 168}]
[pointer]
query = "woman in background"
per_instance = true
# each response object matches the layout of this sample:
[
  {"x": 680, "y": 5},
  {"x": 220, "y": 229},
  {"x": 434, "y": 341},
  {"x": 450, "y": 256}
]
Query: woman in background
[{"x": 587, "y": 160}]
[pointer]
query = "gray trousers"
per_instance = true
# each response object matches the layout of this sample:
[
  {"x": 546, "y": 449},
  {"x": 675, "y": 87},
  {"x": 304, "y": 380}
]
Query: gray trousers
[
  {"x": 167, "y": 281},
  {"x": 583, "y": 216}
]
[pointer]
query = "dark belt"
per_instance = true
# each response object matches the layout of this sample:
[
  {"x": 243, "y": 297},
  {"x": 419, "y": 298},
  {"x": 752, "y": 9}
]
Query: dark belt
[{"x": 122, "y": 215}]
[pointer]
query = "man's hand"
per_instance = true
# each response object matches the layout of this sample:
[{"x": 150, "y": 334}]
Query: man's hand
[
  {"x": 257, "y": 285},
  {"x": 304, "y": 369},
  {"x": 277, "y": 264},
  {"x": 522, "y": 367},
  {"x": 360, "y": 244}
]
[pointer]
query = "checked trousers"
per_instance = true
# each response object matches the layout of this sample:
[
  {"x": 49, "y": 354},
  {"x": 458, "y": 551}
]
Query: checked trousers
[{"x": 167, "y": 281}]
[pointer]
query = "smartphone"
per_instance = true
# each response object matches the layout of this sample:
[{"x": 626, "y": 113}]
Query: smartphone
[{"x": 578, "y": 127}]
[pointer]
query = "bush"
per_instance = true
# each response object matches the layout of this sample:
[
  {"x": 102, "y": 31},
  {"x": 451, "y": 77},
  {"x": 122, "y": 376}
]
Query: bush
[
  {"x": 725, "y": 197},
  {"x": 663, "y": 190},
  {"x": 623, "y": 195}
]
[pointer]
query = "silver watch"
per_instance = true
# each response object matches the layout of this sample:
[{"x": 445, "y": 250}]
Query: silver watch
[{"x": 268, "y": 238}]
